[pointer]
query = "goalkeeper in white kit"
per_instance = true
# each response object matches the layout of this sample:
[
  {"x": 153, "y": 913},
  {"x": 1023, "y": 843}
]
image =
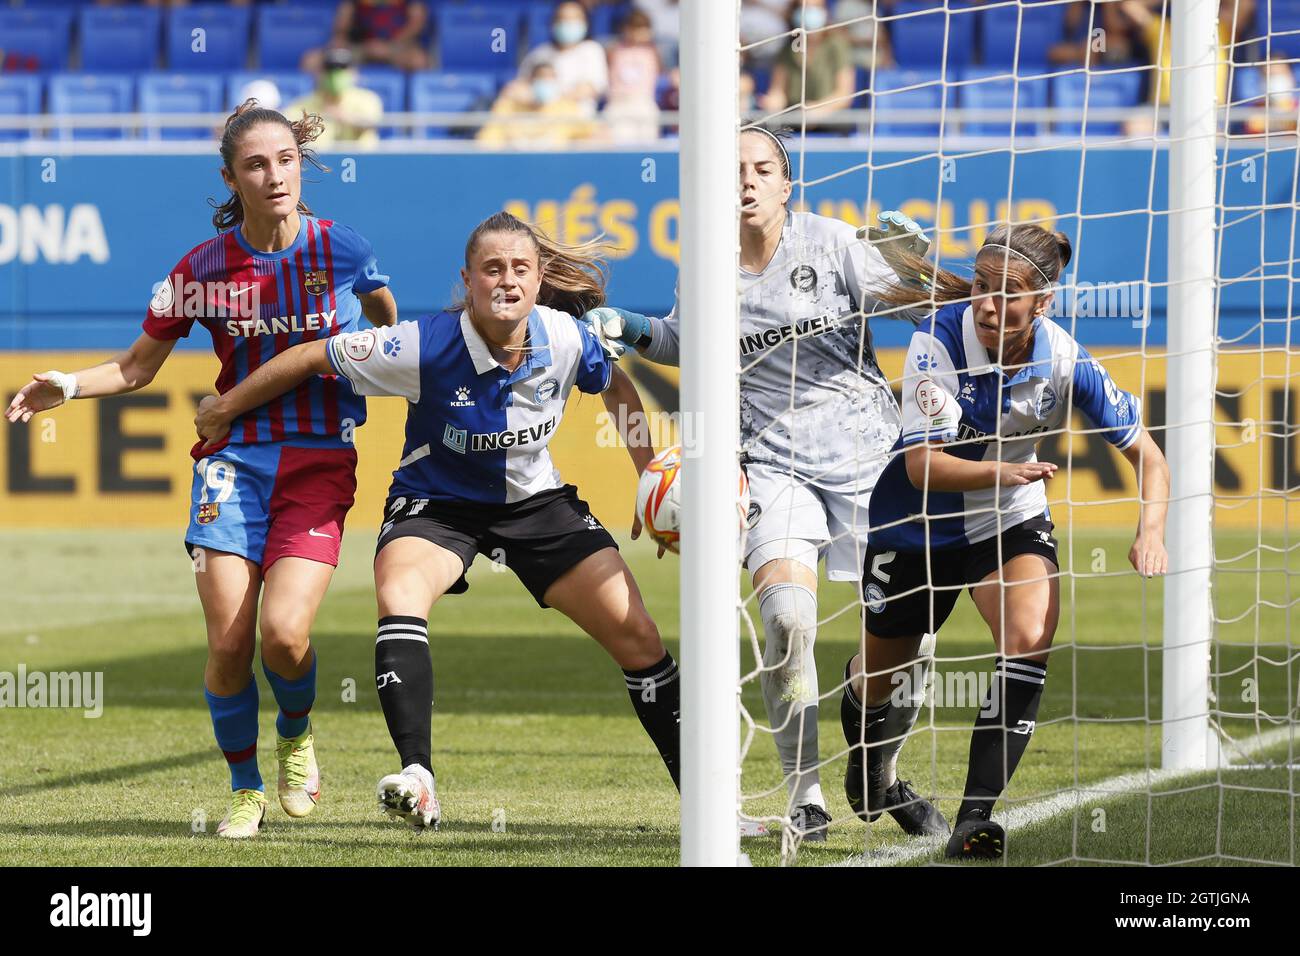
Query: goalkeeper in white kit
[{"x": 817, "y": 421}]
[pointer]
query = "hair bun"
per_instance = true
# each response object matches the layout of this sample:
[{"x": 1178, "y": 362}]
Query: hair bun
[{"x": 1064, "y": 248}]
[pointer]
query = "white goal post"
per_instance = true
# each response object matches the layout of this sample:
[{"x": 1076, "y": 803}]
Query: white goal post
[
  {"x": 710, "y": 303},
  {"x": 1186, "y": 741}
]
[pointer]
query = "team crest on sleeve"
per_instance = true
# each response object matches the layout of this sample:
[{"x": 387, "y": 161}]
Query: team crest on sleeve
[
  {"x": 315, "y": 282},
  {"x": 164, "y": 295},
  {"x": 208, "y": 513},
  {"x": 359, "y": 345},
  {"x": 930, "y": 398},
  {"x": 804, "y": 278},
  {"x": 1046, "y": 401},
  {"x": 546, "y": 391},
  {"x": 875, "y": 598}
]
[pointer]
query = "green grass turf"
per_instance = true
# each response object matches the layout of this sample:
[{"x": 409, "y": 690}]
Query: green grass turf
[{"x": 540, "y": 759}]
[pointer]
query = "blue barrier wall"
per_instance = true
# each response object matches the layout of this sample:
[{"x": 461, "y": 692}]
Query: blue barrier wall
[{"x": 83, "y": 239}]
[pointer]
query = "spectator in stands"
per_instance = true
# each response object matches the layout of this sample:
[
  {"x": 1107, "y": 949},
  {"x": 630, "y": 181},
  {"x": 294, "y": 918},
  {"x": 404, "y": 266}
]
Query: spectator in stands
[
  {"x": 538, "y": 98},
  {"x": 351, "y": 112},
  {"x": 387, "y": 32},
  {"x": 762, "y": 20},
  {"x": 631, "y": 115},
  {"x": 580, "y": 66},
  {"x": 1236, "y": 26},
  {"x": 667, "y": 24},
  {"x": 829, "y": 66},
  {"x": 867, "y": 36},
  {"x": 263, "y": 90},
  {"x": 1096, "y": 34},
  {"x": 1279, "y": 86}
]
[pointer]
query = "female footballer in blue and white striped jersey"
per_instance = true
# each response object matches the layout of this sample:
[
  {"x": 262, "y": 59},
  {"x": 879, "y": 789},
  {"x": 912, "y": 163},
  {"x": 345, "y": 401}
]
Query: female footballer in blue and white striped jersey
[
  {"x": 487, "y": 386},
  {"x": 962, "y": 505}
]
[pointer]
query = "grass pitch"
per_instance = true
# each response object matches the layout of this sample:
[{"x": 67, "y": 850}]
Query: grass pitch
[{"x": 540, "y": 759}]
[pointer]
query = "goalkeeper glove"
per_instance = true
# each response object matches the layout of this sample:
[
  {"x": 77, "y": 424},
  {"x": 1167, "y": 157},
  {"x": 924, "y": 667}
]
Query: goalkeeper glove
[
  {"x": 617, "y": 329},
  {"x": 898, "y": 232}
]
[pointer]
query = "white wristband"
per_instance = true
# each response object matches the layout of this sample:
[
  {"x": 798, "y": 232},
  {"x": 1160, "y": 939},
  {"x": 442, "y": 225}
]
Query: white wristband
[{"x": 66, "y": 382}]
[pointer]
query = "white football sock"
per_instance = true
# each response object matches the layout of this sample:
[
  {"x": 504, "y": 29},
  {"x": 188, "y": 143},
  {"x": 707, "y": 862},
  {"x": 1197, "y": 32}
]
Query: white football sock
[{"x": 789, "y": 683}]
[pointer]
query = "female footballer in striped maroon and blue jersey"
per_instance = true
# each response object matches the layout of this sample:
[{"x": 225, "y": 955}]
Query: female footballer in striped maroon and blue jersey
[{"x": 270, "y": 501}]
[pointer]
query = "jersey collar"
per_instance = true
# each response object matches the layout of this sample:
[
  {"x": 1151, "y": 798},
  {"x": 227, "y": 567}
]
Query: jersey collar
[
  {"x": 299, "y": 241},
  {"x": 979, "y": 363},
  {"x": 538, "y": 357}
]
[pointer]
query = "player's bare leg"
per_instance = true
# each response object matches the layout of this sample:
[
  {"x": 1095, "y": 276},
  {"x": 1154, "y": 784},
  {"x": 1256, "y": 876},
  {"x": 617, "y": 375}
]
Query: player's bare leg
[
  {"x": 600, "y": 595},
  {"x": 228, "y": 586},
  {"x": 410, "y": 575},
  {"x": 292, "y": 593},
  {"x": 787, "y": 604},
  {"x": 1021, "y": 605}
]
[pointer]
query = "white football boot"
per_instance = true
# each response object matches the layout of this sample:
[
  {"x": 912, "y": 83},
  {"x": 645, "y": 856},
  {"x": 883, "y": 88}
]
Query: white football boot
[{"x": 409, "y": 796}]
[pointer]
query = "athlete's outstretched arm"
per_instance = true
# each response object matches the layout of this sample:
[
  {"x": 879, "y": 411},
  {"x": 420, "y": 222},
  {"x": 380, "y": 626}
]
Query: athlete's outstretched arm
[
  {"x": 623, "y": 402},
  {"x": 1148, "y": 555},
  {"x": 263, "y": 384},
  {"x": 379, "y": 306},
  {"x": 930, "y": 467},
  {"x": 133, "y": 369}
]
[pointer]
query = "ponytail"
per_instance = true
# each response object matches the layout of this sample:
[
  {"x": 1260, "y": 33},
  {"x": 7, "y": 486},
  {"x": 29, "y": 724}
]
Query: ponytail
[{"x": 1048, "y": 253}]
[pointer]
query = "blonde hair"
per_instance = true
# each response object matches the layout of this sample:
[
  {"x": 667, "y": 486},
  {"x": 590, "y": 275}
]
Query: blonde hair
[{"x": 573, "y": 276}]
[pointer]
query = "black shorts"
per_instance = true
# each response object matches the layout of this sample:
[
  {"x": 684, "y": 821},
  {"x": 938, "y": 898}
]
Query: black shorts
[
  {"x": 903, "y": 600},
  {"x": 538, "y": 538}
]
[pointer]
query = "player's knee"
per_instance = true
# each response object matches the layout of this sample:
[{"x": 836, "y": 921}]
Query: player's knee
[
  {"x": 640, "y": 644},
  {"x": 231, "y": 652},
  {"x": 286, "y": 631},
  {"x": 1027, "y": 640}
]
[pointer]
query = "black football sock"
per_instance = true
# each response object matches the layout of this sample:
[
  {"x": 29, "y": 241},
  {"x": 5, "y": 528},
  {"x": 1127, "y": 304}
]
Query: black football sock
[
  {"x": 404, "y": 679},
  {"x": 1002, "y": 732},
  {"x": 656, "y": 695}
]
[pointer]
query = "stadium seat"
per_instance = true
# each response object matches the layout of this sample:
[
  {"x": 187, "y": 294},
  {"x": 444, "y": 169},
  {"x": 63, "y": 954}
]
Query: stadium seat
[
  {"x": 180, "y": 93},
  {"x": 1041, "y": 27},
  {"x": 32, "y": 39},
  {"x": 73, "y": 93},
  {"x": 605, "y": 20},
  {"x": 391, "y": 86},
  {"x": 1105, "y": 90},
  {"x": 467, "y": 35},
  {"x": 539, "y": 23},
  {"x": 884, "y": 102},
  {"x": 224, "y": 37},
  {"x": 19, "y": 96},
  {"x": 119, "y": 38},
  {"x": 284, "y": 34},
  {"x": 918, "y": 41},
  {"x": 430, "y": 99},
  {"x": 292, "y": 85},
  {"x": 994, "y": 89},
  {"x": 483, "y": 85}
]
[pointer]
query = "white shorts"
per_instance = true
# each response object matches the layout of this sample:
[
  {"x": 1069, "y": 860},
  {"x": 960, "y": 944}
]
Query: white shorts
[{"x": 789, "y": 518}]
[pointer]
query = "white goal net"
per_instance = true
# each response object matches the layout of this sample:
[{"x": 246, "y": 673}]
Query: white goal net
[{"x": 1167, "y": 728}]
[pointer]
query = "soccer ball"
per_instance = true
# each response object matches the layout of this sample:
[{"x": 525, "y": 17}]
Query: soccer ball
[{"x": 659, "y": 498}]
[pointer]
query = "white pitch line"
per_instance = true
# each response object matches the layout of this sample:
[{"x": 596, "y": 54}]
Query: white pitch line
[{"x": 1027, "y": 815}]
